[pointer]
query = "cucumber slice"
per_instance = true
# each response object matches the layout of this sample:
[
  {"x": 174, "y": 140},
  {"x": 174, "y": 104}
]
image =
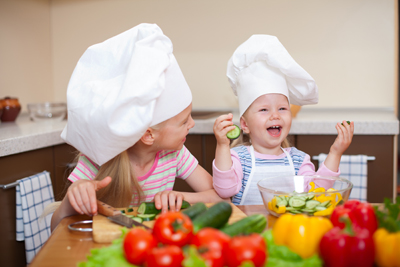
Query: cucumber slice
[
  {"x": 281, "y": 201},
  {"x": 235, "y": 133},
  {"x": 297, "y": 202},
  {"x": 138, "y": 219},
  {"x": 295, "y": 211},
  {"x": 311, "y": 204},
  {"x": 325, "y": 203},
  {"x": 319, "y": 208},
  {"x": 147, "y": 217}
]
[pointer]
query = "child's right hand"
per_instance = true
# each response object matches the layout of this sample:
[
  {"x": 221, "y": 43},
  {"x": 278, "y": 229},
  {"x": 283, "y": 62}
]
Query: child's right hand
[
  {"x": 82, "y": 195},
  {"x": 171, "y": 200},
  {"x": 223, "y": 124}
]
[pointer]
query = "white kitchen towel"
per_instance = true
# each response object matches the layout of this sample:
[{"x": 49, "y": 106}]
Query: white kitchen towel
[
  {"x": 353, "y": 168},
  {"x": 33, "y": 194}
]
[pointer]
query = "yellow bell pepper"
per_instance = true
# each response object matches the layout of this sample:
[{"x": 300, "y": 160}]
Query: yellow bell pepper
[
  {"x": 301, "y": 233},
  {"x": 387, "y": 248}
]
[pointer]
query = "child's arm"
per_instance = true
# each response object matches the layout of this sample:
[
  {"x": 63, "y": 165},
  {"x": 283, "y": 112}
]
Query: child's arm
[
  {"x": 342, "y": 142},
  {"x": 80, "y": 199},
  {"x": 223, "y": 124},
  {"x": 200, "y": 181}
]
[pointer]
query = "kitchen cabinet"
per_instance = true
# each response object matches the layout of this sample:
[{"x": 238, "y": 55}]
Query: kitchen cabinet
[{"x": 56, "y": 160}]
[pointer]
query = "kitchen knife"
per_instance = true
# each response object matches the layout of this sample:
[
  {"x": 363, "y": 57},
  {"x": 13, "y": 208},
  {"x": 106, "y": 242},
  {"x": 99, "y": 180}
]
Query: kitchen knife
[{"x": 116, "y": 216}]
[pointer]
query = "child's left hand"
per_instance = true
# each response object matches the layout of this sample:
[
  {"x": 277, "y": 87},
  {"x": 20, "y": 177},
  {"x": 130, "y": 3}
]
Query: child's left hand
[
  {"x": 344, "y": 138},
  {"x": 168, "y": 199}
]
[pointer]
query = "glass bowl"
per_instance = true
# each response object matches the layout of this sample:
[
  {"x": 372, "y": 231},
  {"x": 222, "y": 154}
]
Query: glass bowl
[
  {"x": 312, "y": 195},
  {"x": 47, "y": 111}
]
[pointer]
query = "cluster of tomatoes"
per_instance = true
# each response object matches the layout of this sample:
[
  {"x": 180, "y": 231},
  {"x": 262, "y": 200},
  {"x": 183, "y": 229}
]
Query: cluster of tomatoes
[{"x": 163, "y": 246}]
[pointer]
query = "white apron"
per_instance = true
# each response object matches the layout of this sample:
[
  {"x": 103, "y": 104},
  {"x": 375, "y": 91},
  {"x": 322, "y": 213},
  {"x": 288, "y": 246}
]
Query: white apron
[{"x": 251, "y": 194}]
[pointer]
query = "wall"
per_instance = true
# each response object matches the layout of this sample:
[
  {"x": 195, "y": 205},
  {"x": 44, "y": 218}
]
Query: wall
[
  {"x": 349, "y": 47},
  {"x": 25, "y": 58}
]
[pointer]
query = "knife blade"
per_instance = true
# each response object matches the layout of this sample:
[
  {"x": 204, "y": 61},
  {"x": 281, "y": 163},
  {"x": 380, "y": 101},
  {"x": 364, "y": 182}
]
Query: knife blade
[{"x": 115, "y": 215}]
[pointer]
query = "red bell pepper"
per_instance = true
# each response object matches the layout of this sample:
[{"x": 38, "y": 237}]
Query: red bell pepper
[
  {"x": 361, "y": 214},
  {"x": 348, "y": 247}
]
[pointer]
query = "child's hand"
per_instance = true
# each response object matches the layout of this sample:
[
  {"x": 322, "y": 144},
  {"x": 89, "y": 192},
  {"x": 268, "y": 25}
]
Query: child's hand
[
  {"x": 168, "y": 199},
  {"x": 343, "y": 140},
  {"x": 223, "y": 124},
  {"x": 82, "y": 195}
]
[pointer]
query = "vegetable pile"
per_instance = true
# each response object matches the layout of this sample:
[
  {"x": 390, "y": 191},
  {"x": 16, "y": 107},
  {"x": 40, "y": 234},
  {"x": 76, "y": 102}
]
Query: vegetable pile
[{"x": 356, "y": 234}]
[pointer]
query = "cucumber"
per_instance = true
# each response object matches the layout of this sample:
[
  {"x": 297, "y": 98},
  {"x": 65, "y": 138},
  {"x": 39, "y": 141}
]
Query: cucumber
[
  {"x": 216, "y": 216},
  {"x": 255, "y": 223},
  {"x": 147, "y": 217},
  {"x": 235, "y": 133},
  {"x": 138, "y": 219},
  {"x": 150, "y": 207},
  {"x": 195, "y": 210}
]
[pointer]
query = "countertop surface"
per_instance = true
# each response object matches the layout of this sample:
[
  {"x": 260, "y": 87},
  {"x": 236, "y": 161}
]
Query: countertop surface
[{"x": 25, "y": 135}]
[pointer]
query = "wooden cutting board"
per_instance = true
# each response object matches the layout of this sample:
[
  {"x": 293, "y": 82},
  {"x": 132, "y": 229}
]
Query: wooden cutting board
[{"x": 105, "y": 231}]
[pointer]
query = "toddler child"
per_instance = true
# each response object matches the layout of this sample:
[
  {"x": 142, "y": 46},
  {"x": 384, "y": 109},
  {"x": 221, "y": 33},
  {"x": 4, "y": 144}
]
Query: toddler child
[{"x": 267, "y": 80}]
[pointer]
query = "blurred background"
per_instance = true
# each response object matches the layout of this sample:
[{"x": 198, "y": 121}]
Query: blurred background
[{"x": 349, "y": 47}]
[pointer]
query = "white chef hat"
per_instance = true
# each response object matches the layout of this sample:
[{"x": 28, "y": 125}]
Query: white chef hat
[
  {"x": 262, "y": 65},
  {"x": 119, "y": 88}
]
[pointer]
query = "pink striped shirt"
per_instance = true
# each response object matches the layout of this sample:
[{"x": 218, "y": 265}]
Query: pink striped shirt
[{"x": 167, "y": 166}]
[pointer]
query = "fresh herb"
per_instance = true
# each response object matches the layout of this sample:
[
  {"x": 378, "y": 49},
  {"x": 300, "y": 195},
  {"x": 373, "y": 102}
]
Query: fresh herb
[{"x": 388, "y": 218}]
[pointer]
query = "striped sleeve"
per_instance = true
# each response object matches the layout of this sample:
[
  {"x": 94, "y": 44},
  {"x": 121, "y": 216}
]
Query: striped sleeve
[
  {"x": 186, "y": 163},
  {"x": 85, "y": 169}
]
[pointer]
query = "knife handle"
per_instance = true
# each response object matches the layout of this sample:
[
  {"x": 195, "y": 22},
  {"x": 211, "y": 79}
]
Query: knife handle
[{"x": 106, "y": 210}]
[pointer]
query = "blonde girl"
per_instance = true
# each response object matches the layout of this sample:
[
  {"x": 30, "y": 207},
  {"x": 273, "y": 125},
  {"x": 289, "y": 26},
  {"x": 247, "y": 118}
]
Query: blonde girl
[{"x": 129, "y": 112}]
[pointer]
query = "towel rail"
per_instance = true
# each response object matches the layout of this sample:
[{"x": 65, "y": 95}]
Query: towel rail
[
  {"x": 368, "y": 158},
  {"x": 10, "y": 185}
]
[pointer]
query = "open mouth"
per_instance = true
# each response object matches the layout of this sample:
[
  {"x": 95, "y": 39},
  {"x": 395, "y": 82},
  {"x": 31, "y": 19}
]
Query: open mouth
[{"x": 274, "y": 130}]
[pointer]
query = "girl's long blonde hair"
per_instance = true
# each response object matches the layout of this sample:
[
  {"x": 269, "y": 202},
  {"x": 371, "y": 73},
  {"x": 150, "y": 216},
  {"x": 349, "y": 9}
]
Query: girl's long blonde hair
[{"x": 124, "y": 183}]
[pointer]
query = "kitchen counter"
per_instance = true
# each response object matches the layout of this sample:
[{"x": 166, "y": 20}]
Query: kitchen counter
[{"x": 25, "y": 135}]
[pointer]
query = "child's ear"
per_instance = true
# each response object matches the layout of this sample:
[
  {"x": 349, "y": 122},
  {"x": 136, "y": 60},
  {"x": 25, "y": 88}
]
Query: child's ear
[
  {"x": 148, "y": 137},
  {"x": 243, "y": 125}
]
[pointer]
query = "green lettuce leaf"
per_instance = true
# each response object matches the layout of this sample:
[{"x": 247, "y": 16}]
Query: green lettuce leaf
[
  {"x": 282, "y": 256},
  {"x": 110, "y": 256}
]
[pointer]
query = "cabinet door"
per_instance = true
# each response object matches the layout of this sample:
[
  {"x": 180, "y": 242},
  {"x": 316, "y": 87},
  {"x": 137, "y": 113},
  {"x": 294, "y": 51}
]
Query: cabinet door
[
  {"x": 380, "y": 171},
  {"x": 14, "y": 167},
  {"x": 64, "y": 163}
]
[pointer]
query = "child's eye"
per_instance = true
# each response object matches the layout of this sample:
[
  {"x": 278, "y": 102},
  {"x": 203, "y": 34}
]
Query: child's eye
[
  {"x": 263, "y": 109},
  {"x": 283, "y": 109}
]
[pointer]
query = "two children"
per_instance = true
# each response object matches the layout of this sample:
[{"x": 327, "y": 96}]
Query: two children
[
  {"x": 129, "y": 111},
  {"x": 267, "y": 80}
]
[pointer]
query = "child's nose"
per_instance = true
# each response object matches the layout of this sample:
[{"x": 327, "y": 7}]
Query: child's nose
[
  {"x": 191, "y": 123},
  {"x": 275, "y": 115}
]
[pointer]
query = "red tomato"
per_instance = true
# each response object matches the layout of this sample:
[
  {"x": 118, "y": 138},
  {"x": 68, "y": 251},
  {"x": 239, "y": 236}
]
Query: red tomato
[
  {"x": 173, "y": 228},
  {"x": 211, "y": 244},
  {"x": 168, "y": 256},
  {"x": 246, "y": 248},
  {"x": 137, "y": 244}
]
